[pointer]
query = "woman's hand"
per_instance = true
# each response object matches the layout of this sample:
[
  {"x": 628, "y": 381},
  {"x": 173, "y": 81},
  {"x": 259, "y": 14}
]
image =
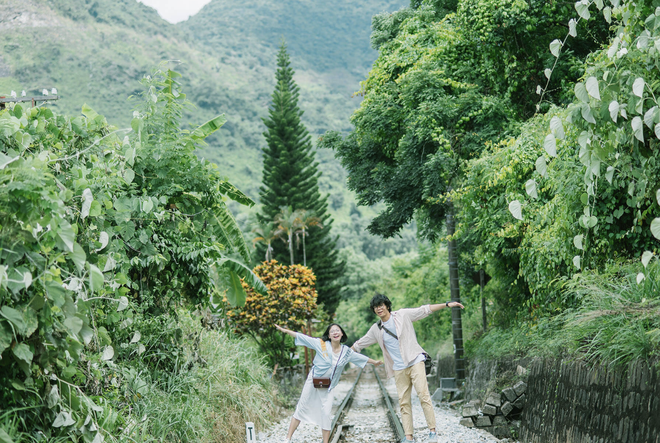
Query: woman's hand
[
  {"x": 378, "y": 363},
  {"x": 286, "y": 331}
]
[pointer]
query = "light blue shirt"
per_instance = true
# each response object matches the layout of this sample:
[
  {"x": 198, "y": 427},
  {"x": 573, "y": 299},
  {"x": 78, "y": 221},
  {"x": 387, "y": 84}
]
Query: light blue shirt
[
  {"x": 392, "y": 345},
  {"x": 323, "y": 360}
]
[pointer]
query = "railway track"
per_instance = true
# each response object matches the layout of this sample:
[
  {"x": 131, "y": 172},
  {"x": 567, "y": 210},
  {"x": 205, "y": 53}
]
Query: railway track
[{"x": 366, "y": 414}]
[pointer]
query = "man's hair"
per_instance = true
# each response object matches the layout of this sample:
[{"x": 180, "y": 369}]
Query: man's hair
[
  {"x": 380, "y": 299},
  {"x": 326, "y": 334}
]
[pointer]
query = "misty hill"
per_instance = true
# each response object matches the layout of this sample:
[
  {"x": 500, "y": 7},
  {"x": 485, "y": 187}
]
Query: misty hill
[{"x": 95, "y": 51}]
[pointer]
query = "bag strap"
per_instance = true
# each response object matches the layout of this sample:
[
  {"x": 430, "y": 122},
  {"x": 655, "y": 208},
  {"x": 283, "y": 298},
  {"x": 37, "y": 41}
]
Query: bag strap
[{"x": 380, "y": 326}]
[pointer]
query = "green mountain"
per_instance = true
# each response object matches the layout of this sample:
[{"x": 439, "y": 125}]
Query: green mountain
[{"x": 95, "y": 51}]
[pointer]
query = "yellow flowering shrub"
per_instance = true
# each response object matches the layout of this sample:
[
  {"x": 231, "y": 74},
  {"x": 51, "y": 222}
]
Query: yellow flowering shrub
[{"x": 290, "y": 302}]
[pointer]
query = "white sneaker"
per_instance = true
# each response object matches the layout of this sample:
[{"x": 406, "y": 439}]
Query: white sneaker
[{"x": 433, "y": 437}]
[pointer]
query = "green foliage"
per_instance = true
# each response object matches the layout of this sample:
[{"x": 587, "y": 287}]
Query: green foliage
[
  {"x": 101, "y": 228},
  {"x": 290, "y": 184},
  {"x": 614, "y": 321}
]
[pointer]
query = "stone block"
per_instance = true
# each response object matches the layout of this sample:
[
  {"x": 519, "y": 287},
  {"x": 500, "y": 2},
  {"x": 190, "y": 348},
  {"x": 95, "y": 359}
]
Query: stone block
[
  {"x": 520, "y": 388},
  {"x": 489, "y": 410},
  {"x": 520, "y": 370},
  {"x": 501, "y": 431},
  {"x": 494, "y": 399},
  {"x": 475, "y": 403},
  {"x": 499, "y": 420},
  {"x": 507, "y": 407},
  {"x": 467, "y": 422},
  {"x": 520, "y": 402},
  {"x": 509, "y": 394},
  {"x": 469, "y": 411},
  {"x": 483, "y": 421}
]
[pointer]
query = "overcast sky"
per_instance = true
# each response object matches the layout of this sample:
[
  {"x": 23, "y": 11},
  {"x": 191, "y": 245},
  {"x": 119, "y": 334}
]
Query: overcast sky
[{"x": 176, "y": 10}]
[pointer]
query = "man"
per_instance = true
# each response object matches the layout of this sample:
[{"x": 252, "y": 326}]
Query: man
[{"x": 404, "y": 357}]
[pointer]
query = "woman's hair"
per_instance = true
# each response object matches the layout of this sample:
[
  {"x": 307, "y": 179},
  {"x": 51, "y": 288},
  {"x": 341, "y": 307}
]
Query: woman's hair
[
  {"x": 380, "y": 299},
  {"x": 326, "y": 334}
]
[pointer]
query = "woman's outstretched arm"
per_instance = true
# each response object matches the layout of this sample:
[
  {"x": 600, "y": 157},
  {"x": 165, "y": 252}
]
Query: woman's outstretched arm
[
  {"x": 374, "y": 362},
  {"x": 286, "y": 331}
]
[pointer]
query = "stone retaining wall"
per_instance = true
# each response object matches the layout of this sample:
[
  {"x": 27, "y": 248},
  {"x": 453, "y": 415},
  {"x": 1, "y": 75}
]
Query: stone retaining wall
[{"x": 572, "y": 402}]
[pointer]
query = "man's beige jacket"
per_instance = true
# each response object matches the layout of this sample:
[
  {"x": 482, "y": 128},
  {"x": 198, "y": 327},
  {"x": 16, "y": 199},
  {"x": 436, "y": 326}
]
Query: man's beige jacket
[{"x": 410, "y": 349}]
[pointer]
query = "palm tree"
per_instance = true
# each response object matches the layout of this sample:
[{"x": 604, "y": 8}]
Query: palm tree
[
  {"x": 307, "y": 219},
  {"x": 287, "y": 221},
  {"x": 266, "y": 233}
]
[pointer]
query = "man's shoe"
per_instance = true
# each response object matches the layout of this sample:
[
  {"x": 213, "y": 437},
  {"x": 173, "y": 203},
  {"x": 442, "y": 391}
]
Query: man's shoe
[
  {"x": 433, "y": 437},
  {"x": 405, "y": 440}
]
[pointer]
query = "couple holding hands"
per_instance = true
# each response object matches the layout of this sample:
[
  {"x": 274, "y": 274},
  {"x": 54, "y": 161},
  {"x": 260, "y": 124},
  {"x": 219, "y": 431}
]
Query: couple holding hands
[{"x": 404, "y": 360}]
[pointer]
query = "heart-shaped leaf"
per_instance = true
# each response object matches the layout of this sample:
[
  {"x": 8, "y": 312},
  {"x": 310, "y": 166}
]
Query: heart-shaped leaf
[
  {"x": 592, "y": 87},
  {"x": 550, "y": 145},
  {"x": 87, "y": 198},
  {"x": 582, "y": 9},
  {"x": 577, "y": 241},
  {"x": 638, "y": 87},
  {"x": 95, "y": 278},
  {"x": 581, "y": 92},
  {"x": 614, "y": 110},
  {"x": 650, "y": 117},
  {"x": 123, "y": 303},
  {"x": 587, "y": 114},
  {"x": 516, "y": 209},
  {"x": 136, "y": 337},
  {"x": 655, "y": 228},
  {"x": 638, "y": 129},
  {"x": 640, "y": 277},
  {"x": 547, "y": 72},
  {"x": 104, "y": 238},
  {"x": 572, "y": 28},
  {"x": 557, "y": 127},
  {"x": 530, "y": 188},
  {"x": 576, "y": 261},
  {"x": 646, "y": 257},
  {"x": 609, "y": 175},
  {"x": 593, "y": 221},
  {"x": 607, "y": 13},
  {"x": 541, "y": 166},
  {"x": 555, "y": 47},
  {"x": 108, "y": 353}
]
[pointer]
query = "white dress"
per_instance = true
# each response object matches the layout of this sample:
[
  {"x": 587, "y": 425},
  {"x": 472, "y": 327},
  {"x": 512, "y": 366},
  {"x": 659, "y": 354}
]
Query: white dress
[{"x": 315, "y": 405}]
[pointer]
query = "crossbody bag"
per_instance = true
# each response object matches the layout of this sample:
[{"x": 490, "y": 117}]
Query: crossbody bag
[
  {"x": 324, "y": 382},
  {"x": 428, "y": 363}
]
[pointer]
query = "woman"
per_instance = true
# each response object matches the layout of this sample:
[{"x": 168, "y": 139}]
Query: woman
[{"x": 315, "y": 404}]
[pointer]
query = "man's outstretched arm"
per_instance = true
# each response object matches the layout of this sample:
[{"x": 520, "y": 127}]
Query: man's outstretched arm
[{"x": 451, "y": 304}]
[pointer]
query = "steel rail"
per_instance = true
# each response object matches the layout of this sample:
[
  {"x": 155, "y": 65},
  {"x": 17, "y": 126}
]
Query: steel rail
[
  {"x": 346, "y": 403},
  {"x": 391, "y": 413}
]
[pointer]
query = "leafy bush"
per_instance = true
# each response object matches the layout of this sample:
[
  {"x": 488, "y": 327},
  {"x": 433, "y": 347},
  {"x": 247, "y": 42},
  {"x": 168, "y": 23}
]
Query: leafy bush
[
  {"x": 102, "y": 228},
  {"x": 291, "y": 302}
]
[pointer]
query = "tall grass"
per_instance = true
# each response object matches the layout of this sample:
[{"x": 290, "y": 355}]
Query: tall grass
[
  {"x": 218, "y": 383},
  {"x": 614, "y": 320}
]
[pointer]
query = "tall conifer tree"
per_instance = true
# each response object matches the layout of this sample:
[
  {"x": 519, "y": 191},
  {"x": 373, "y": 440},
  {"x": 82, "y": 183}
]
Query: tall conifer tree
[{"x": 290, "y": 179}]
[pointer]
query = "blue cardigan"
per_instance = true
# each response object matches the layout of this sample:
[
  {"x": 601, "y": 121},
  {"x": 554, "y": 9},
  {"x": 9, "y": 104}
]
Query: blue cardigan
[{"x": 323, "y": 360}]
